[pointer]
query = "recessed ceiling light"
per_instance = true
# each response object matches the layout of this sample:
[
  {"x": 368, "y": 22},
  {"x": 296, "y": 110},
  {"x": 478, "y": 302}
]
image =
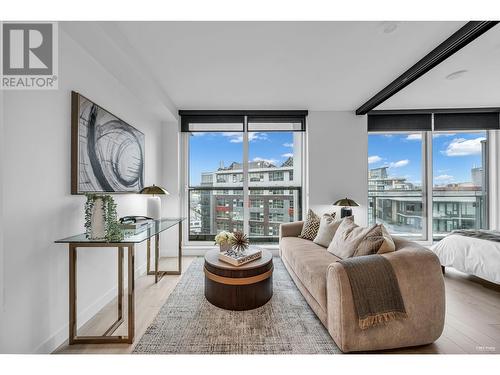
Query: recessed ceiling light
[
  {"x": 456, "y": 75},
  {"x": 389, "y": 26}
]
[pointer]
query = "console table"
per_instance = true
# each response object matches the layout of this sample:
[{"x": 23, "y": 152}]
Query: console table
[{"x": 131, "y": 238}]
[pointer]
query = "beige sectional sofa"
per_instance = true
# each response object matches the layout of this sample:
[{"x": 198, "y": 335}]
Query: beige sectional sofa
[{"x": 325, "y": 286}]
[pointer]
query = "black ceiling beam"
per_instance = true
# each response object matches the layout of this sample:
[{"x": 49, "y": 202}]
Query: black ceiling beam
[{"x": 462, "y": 37}]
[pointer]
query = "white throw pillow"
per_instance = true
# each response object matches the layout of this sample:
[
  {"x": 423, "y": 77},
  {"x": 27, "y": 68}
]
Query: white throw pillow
[
  {"x": 347, "y": 238},
  {"x": 327, "y": 228},
  {"x": 388, "y": 245}
]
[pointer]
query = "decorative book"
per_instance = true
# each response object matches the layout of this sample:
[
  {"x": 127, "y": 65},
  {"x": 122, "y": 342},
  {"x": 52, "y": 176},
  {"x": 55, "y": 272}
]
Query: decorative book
[{"x": 238, "y": 259}]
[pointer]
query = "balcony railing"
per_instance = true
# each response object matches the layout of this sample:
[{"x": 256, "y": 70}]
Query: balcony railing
[
  {"x": 401, "y": 212},
  {"x": 207, "y": 216}
]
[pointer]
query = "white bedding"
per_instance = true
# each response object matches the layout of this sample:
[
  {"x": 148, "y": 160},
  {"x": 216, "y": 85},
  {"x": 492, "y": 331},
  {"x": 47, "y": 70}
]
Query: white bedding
[{"x": 473, "y": 256}]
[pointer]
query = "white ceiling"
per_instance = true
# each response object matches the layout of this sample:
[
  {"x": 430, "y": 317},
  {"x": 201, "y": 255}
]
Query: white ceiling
[
  {"x": 271, "y": 65},
  {"x": 289, "y": 65},
  {"x": 478, "y": 87}
]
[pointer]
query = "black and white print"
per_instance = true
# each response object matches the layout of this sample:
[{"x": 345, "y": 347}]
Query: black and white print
[{"x": 110, "y": 151}]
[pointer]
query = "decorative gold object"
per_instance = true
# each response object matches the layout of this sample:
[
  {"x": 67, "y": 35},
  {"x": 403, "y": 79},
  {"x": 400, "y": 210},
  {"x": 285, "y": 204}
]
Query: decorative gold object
[
  {"x": 345, "y": 204},
  {"x": 155, "y": 190},
  {"x": 240, "y": 241}
]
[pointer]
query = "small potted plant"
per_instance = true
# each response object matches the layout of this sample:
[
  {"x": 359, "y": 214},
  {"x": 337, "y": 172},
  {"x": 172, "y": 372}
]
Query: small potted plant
[
  {"x": 101, "y": 218},
  {"x": 223, "y": 239}
]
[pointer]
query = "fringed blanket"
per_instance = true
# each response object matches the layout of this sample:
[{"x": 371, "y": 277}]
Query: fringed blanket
[
  {"x": 375, "y": 290},
  {"x": 490, "y": 235}
]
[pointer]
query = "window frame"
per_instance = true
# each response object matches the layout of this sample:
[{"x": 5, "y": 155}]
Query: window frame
[
  {"x": 427, "y": 176},
  {"x": 186, "y": 188}
]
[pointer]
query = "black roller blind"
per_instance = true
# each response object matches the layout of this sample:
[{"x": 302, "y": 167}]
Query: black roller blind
[
  {"x": 399, "y": 122},
  {"x": 467, "y": 121}
]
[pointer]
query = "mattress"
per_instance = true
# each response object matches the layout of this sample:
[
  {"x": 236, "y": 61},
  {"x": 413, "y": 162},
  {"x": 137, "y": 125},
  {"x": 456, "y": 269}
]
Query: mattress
[{"x": 473, "y": 256}]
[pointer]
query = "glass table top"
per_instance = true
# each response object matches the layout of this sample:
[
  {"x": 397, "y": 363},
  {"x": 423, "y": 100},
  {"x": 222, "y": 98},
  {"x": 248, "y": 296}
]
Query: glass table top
[{"x": 130, "y": 235}]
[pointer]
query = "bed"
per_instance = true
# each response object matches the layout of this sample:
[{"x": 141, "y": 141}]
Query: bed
[{"x": 475, "y": 252}]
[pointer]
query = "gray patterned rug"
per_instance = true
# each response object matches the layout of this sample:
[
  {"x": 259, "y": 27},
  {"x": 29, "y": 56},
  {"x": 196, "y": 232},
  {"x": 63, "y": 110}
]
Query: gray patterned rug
[{"x": 189, "y": 324}]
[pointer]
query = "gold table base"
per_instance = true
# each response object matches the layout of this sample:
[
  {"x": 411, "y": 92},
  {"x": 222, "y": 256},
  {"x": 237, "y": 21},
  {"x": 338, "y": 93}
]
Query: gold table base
[{"x": 107, "y": 337}]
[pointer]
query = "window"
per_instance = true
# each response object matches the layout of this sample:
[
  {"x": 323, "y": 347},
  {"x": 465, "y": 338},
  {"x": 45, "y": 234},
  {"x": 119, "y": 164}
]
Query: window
[
  {"x": 256, "y": 229},
  {"x": 399, "y": 164},
  {"x": 459, "y": 188},
  {"x": 276, "y": 176},
  {"x": 221, "y": 168},
  {"x": 395, "y": 176},
  {"x": 276, "y": 203},
  {"x": 256, "y": 177},
  {"x": 256, "y": 203},
  {"x": 257, "y": 192},
  {"x": 256, "y": 216},
  {"x": 276, "y": 217}
]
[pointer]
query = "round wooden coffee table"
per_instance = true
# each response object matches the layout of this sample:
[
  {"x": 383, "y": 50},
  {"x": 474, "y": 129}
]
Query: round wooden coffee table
[{"x": 238, "y": 288}]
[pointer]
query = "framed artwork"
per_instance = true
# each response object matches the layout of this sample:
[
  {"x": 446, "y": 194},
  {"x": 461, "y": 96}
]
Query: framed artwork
[{"x": 107, "y": 154}]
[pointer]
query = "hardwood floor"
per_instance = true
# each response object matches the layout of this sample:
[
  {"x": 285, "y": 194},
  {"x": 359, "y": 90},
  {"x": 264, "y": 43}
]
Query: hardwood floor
[{"x": 472, "y": 316}]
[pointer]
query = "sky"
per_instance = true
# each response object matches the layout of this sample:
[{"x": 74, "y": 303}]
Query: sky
[
  {"x": 207, "y": 150},
  {"x": 454, "y": 154}
]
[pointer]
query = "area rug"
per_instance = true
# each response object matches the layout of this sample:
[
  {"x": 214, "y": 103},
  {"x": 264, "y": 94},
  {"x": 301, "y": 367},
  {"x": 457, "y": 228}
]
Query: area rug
[{"x": 189, "y": 324}]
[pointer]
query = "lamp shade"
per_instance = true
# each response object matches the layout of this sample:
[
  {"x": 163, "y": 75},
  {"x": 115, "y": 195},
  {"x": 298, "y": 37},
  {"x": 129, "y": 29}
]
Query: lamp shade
[
  {"x": 346, "y": 202},
  {"x": 156, "y": 190}
]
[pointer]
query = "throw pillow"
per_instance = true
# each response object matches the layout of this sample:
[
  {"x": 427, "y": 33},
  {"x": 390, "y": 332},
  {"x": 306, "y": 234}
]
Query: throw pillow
[
  {"x": 371, "y": 243},
  {"x": 311, "y": 226},
  {"x": 347, "y": 238},
  {"x": 377, "y": 241},
  {"x": 388, "y": 245},
  {"x": 327, "y": 228}
]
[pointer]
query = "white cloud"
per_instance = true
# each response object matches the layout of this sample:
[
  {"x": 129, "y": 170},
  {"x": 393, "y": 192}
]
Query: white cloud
[
  {"x": 374, "y": 159},
  {"x": 272, "y": 161},
  {"x": 414, "y": 137},
  {"x": 464, "y": 147},
  {"x": 287, "y": 155},
  {"x": 399, "y": 164},
  {"x": 236, "y": 137},
  {"x": 444, "y": 178},
  {"x": 288, "y": 144}
]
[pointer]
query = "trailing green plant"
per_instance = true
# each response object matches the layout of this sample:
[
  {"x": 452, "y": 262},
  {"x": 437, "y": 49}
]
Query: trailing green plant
[{"x": 112, "y": 228}]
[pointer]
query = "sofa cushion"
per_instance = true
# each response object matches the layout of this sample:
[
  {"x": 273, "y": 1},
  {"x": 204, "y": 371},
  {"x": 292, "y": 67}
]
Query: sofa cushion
[
  {"x": 311, "y": 226},
  {"x": 327, "y": 228},
  {"x": 310, "y": 263},
  {"x": 348, "y": 237},
  {"x": 378, "y": 241}
]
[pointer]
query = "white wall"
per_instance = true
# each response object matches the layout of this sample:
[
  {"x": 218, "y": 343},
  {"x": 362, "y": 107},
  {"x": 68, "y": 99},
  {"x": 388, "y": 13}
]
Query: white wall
[
  {"x": 40, "y": 208},
  {"x": 171, "y": 182},
  {"x": 2, "y": 284},
  {"x": 338, "y": 161}
]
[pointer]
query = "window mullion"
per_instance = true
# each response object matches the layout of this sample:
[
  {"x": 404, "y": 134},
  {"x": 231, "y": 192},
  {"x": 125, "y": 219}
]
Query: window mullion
[
  {"x": 428, "y": 185},
  {"x": 246, "y": 199}
]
